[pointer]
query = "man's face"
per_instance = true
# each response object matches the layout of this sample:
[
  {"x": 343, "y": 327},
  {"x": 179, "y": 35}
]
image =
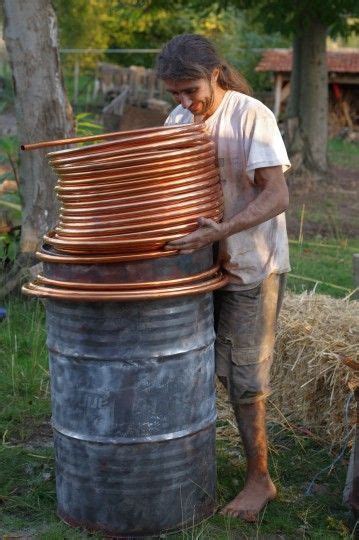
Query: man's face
[{"x": 196, "y": 95}]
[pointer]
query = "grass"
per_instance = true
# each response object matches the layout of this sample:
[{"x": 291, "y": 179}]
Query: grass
[
  {"x": 344, "y": 153},
  {"x": 24, "y": 387},
  {"x": 325, "y": 267},
  {"x": 27, "y": 488},
  {"x": 27, "y": 494}
]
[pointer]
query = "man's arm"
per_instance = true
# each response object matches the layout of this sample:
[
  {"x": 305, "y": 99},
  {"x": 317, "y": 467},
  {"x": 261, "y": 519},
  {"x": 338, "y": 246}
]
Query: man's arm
[{"x": 272, "y": 199}]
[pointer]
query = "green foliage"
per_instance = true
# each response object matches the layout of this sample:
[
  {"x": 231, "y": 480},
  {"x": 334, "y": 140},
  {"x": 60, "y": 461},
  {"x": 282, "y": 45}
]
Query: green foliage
[
  {"x": 10, "y": 203},
  {"x": 82, "y": 24},
  {"x": 86, "y": 125},
  {"x": 339, "y": 16},
  {"x": 241, "y": 45}
]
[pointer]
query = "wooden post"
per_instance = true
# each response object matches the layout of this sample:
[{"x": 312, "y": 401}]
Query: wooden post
[
  {"x": 277, "y": 94},
  {"x": 355, "y": 296},
  {"x": 76, "y": 82}
]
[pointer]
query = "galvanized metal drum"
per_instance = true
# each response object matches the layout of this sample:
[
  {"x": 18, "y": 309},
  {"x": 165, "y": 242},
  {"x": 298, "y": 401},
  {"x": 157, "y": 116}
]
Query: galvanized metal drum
[{"x": 134, "y": 404}]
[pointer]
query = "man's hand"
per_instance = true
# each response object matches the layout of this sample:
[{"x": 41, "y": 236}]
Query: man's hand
[{"x": 208, "y": 232}]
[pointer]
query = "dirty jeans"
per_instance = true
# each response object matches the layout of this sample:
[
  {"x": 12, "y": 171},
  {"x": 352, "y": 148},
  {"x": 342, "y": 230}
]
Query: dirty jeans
[{"x": 245, "y": 323}]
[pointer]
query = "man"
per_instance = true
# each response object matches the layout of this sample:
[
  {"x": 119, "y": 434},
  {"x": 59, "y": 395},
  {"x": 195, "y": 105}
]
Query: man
[{"x": 253, "y": 245}]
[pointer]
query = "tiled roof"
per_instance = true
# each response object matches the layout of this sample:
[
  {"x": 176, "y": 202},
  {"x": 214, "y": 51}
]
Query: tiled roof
[{"x": 343, "y": 61}]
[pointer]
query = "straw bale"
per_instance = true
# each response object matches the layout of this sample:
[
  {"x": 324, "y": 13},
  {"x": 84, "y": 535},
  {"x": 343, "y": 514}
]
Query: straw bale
[
  {"x": 315, "y": 367},
  {"x": 316, "y": 364}
]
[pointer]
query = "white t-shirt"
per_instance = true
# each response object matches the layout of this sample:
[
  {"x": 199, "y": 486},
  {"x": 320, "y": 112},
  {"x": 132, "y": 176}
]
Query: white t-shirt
[{"x": 247, "y": 138}]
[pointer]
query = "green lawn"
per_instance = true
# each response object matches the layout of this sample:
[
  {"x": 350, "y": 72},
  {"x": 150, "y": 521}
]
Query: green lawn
[{"x": 326, "y": 267}]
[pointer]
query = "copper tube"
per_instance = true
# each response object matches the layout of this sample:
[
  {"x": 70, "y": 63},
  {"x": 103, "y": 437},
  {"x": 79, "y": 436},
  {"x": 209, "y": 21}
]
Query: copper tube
[
  {"x": 141, "y": 183},
  {"x": 42, "y": 280},
  {"x": 158, "y": 212},
  {"x": 151, "y": 178},
  {"x": 136, "y": 192},
  {"x": 126, "y": 232},
  {"x": 133, "y": 203},
  {"x": 127, "y": 194},
  {"x": 76, "y": 140},
  {"x": 151, "y": 156},
  {"x": 131, "y": 144},
  {"x": 88, "y": 178},
  {"x": 213, "y": 210},
  {"x": 33, "y": 289},
  {"x": 130, "y": 242},
  {"x": 62, "y": 258},
  {"x": 84, "y": 230},
  {"x": 141, "y": 159}
]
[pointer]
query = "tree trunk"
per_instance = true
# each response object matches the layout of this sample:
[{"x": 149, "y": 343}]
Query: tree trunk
[
  {"x": 293, "y": 138},
  {"x": 307, "y": 109},
  {"x": 313, "y": 99},
  {"x": 42, "y": 109},
  {"x": 293, "y": 101}
]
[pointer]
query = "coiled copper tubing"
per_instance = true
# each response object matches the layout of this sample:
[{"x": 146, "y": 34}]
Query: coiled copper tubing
[
  {"x": 154, "y": 293},
  {"x": 42, "y": 280},
  {"x": 101, "y": 136},
  {"x": 123, "y": 200}
]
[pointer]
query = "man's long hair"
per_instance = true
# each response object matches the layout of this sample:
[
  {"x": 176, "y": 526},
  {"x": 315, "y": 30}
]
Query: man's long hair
[{"x": 191, "y": 56}]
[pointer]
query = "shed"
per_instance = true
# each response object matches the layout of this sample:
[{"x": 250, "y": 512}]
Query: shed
[{"x": 343, "y": 76}]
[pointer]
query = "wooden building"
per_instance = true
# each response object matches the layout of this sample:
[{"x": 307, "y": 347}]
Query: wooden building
[{"x": 343, "y": 77}]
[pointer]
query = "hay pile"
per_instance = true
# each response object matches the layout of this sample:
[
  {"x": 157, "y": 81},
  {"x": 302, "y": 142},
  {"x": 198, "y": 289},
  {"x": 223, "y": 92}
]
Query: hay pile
[
  {"x": 315, "y": 368},
  {"x": 316, "y": 363}
]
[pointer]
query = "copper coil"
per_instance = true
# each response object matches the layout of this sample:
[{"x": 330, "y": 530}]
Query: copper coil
[
  {"x": 35, "y": 289},
  {"x": 42, "y": 280},
  {"x": 138, "y": 203},
  {"x": 121, "y": 246},
  {"x": 174, "y": 179},
  {"x": 162, "y": 143},
  {"x": 116, "y": 136},
  {"x": 213, "y": 210},
  {"x": 137, "y": 194},
  {"x": 120, "y": 234},
  {"x": 127, "y": 232},
  {"x": 119, "y": 175},
  {"x": 142, "y": 158},
  {"x": 143, "y": 214},
  {"x": 178, "y": 178},
  {"x": 102, "y": 136},
  {"x": 134, "y": 193},
  {"x": 63, "y": 258},
  {"x": 124, "y": 226},
  {"x": 117, "y": 169}
]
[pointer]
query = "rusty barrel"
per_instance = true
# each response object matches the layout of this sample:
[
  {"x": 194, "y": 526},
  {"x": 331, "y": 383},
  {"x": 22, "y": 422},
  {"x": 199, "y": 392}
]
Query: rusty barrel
[{"x": 133, "y": 401}]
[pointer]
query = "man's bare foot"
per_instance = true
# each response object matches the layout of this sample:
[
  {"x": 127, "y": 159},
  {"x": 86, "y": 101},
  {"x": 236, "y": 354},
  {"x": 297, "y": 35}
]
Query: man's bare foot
[{"x": 250, "y": 501}]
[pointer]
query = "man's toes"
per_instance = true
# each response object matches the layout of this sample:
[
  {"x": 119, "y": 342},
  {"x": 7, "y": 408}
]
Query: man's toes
[{"x": 250, "y": 517}]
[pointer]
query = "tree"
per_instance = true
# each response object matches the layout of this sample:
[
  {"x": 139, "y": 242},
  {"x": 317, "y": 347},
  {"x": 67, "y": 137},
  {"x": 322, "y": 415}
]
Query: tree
[
  {"x": 42, "y": 109},
  {"x": 308, "y": 22}
]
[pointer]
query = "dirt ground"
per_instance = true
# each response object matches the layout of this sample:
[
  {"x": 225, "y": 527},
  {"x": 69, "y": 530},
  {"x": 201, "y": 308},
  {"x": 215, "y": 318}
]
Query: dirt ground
[{"x": 325, "y": 208}]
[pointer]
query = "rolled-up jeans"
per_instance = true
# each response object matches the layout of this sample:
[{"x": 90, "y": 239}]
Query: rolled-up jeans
[{"x": 245, "y": 323}]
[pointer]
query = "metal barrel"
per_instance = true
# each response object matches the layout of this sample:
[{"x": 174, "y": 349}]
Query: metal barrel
[{"x": 134, "y": 404}]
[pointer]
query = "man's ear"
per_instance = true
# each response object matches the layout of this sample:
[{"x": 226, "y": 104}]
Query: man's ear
[{"x": 215, "y": 74}]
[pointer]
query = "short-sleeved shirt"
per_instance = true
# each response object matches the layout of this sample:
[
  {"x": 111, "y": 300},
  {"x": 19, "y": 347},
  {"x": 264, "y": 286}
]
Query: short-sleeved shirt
[{"x": 247, "y": 138}]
